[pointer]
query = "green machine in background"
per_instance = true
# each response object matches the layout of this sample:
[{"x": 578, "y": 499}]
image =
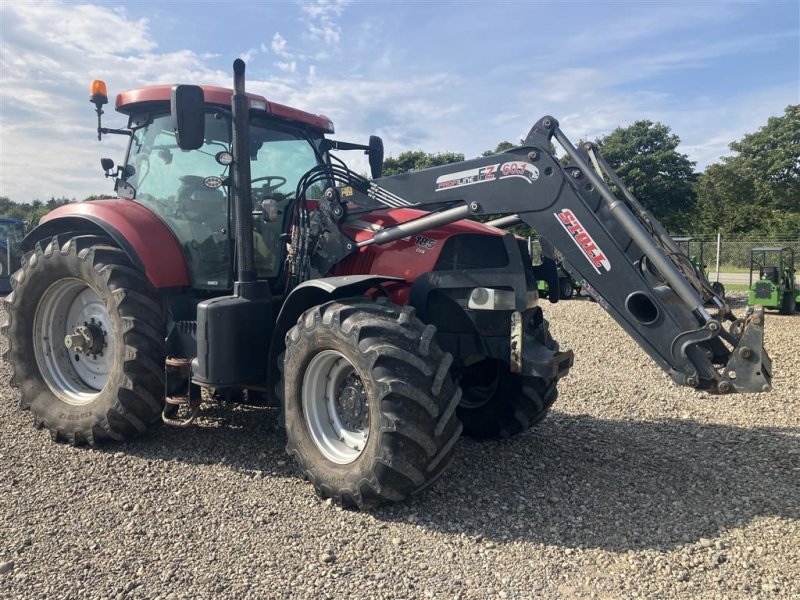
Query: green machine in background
[
  {"x": 11, "y": 233},
  {"x": 775, "y": 286},
  {"x": 694, "y": 249},
  {"x": 567, "y": 285}
]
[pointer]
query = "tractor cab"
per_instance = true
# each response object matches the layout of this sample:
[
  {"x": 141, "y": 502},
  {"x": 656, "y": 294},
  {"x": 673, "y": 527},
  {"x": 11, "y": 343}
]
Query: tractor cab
[
  {"x": 190, "y": 189},
  {"x": 774, "y": 284},
  {"x": 772, "y": 274}
]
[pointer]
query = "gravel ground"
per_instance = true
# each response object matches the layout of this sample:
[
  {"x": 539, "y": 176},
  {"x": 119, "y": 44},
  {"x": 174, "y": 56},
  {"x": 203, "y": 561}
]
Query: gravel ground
[{"x": 631, "y": 488}]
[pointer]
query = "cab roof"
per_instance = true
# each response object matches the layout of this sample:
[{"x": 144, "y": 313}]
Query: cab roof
[{"x": 133, "y": 101}]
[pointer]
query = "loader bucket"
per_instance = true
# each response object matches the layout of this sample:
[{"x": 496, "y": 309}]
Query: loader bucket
[{"x": 749, "y": 368}]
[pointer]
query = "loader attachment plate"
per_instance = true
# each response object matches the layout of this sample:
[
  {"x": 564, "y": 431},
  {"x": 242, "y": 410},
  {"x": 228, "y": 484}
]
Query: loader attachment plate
[{"x": 750, "y": 367}]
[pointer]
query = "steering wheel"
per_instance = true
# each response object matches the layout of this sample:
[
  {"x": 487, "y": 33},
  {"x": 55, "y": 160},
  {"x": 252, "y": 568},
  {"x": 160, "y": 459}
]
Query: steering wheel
[{"x": 269, "y": 179}]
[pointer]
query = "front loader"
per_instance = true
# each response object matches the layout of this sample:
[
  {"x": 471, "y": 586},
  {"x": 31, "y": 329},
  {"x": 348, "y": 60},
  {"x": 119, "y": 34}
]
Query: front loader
[{"x": 243, "y": 258}]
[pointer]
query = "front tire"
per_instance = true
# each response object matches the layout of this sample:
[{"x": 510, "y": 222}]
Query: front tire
[
  {"x": 86, "y": 341},
  {"x": 369, "y": 403},
  {"x": 499, "y": 404}
]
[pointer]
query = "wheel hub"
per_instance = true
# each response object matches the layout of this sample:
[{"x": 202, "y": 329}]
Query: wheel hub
[
  {"x": 88, "y": 338},
  {"x": 351, "y": 402}
]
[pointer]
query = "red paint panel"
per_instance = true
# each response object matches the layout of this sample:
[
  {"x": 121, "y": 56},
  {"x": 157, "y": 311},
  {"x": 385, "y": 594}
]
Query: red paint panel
[
  {"x": 151, "y": 239},
  {"x": 129, "y": 102},
  {"x": 401, "y": 258}
]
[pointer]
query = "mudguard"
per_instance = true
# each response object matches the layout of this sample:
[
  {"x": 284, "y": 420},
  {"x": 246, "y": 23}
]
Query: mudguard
[
  {"x": 139, "y": 232},
  {"x": 312, "y": 293}
]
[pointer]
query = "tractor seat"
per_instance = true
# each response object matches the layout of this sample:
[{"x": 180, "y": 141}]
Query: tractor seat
[
  {"x": 199, "y": 203},
  {"x": 770, "y": 273}
]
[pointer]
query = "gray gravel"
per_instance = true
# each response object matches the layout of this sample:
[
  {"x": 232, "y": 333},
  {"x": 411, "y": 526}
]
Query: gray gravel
[{"x": 631, "y": 488}]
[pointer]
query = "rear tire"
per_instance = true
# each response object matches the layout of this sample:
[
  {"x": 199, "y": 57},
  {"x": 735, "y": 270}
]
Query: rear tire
[
  {"x": 566, "y": 289},
  {"x": 499, "y": 404},
  {"x": 788, "y": 304},
  {"x": 113, "y": 386},
  {"x": 368, "y": 401}
]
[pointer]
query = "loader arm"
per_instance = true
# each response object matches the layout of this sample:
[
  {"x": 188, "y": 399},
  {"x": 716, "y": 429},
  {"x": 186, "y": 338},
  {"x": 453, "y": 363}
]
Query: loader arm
[{"x": 618, "y": 251}]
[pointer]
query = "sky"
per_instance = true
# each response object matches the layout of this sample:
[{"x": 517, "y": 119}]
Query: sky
[{"x": 434, "y": 76}]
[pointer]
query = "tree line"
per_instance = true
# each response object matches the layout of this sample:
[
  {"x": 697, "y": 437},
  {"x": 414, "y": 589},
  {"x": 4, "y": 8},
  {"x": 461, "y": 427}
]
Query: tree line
[
  {"x": 31, "y": 212},
  {"x": 755, "y": 190}
]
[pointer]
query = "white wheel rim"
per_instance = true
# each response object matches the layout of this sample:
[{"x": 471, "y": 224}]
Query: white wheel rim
[
  {"x": 75, "y": 375},
  {"x": 335, "y": 407}
]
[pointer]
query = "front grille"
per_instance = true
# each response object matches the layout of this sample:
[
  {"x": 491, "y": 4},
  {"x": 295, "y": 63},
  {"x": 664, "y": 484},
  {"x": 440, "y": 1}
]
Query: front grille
[
  {"x": 472, "y": 251},
  {"x": 763, "y": 290}
]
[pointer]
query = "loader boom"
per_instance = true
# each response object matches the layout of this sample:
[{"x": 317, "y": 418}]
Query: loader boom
[{"x": 617, "y": 250}]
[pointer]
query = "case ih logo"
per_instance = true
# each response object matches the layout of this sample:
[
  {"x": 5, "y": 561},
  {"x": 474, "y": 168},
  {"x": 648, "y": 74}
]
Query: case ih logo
[{"x": 583, "y": 240}]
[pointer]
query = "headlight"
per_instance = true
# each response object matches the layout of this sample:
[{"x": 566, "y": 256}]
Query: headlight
[{"x": 482, "y": 298}]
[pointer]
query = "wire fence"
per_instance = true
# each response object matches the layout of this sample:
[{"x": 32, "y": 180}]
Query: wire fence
[
  {"x": 727, "y": 258},
  {"x": 734, "y": 252}
]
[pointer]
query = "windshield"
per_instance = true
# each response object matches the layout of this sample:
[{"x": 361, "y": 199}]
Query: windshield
[{"x": 175, "y": 184}]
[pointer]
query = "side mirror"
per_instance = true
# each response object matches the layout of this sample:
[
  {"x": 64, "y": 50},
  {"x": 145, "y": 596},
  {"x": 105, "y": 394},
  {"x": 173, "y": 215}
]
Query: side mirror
[
  {"x": 188, "y": 116},
  {"x": 107, "y": 165},
  {"x": 375, "y": 156}
]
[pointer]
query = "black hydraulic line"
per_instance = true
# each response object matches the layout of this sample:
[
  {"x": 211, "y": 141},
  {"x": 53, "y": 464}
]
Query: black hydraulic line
[
  {"x": 638, "y": 233},
  {"x": 243, "y": 205}
]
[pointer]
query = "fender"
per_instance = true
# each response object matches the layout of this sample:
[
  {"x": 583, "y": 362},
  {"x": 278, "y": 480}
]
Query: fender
[
  {"x": 143, "y": 236},
  {"x": 313, "y": 293}
]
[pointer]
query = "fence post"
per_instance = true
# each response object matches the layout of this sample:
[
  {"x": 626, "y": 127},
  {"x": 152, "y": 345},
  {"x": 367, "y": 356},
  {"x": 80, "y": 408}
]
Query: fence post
[{"x": 719, "y": 241}]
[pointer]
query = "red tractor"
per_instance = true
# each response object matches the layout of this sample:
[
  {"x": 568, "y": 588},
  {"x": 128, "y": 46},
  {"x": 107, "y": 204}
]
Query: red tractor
[{"x": 243, "y": 257}]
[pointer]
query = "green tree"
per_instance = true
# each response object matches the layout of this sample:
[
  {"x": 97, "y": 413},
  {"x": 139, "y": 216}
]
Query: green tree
[
  {"x": 501, "y": 147},
  {"x": 32, "y": 211},
  {"x": 414, "y": 160},
  {"x": 646, "y": 158},
  {"x": 770, "y": 157},
  {"x": 723, "y": 202},
  {"x": 757, "y": 189}
]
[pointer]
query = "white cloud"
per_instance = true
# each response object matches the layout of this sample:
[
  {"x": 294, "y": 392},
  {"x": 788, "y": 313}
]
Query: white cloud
[
  {"x": 279, "y": 46},
  {"x": 290, "y": 67},
  {"x": 249, "y": 55},
  {"x": 82, "y": 27},
  {"x": 322, "y": 19},
  {"x": 321, "y": 9}
]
